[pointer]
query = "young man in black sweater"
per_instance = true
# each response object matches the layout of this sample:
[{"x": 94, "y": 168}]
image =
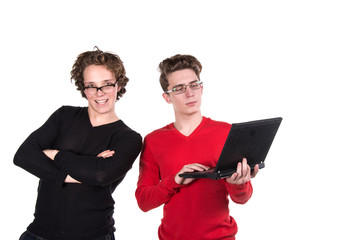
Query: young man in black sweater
[{"x": 80, "y": 155}]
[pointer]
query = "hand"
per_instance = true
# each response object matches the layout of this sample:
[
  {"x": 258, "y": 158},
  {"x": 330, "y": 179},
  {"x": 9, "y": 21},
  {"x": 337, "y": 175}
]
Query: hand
[
  {"x": 69, "y": 179},
  {"x": 50, "y": 153},
  {"x": 243, "y": 173},
  {"x": 106, "y": 154},
  {"x": 189, "y": 168}
]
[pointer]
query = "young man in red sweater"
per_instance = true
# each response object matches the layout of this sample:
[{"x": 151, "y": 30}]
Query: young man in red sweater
[{"x": 193, "y": 208}]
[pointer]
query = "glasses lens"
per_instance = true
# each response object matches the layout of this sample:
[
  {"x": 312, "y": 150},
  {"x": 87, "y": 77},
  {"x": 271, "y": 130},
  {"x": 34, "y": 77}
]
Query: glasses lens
[
  {"x": 90, "y": 90},
  {"x": 195, "y": 85},
  {"x": 107, "y": 89},
  {"x": 179, "y": 89}
]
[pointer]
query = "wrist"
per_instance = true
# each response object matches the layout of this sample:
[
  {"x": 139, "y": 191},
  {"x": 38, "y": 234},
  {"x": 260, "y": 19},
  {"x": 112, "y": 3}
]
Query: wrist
[{"x": 54, "y": 153}]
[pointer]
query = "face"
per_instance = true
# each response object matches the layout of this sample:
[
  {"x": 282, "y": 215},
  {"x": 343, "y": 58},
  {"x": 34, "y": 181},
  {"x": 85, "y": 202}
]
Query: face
[
  {"x": 98, "y": 76},
  {"x": 189, "y": 102}
]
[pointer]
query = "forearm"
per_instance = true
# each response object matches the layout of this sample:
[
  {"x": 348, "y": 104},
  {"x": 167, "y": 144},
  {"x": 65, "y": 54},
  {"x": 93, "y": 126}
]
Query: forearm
[
  {"x": 95, "y": 170},
  {"x": 150, "y": 196},
  {"x": 240, "y": 193},
  {"x": 31, "y": 158},
  {"x": 30, "y": 154},
  {"x": 102, "y": 170}
]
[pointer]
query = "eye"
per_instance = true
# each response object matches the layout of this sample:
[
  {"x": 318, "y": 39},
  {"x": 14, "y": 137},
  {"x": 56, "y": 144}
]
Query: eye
[
  {"x": 194, "y": 85},
  {"x": 89, "y": 86},
  {"x": 179, "y": 88}
]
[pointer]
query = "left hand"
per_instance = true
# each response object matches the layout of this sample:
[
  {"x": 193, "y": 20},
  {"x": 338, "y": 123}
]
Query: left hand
[
  {"x": 69, "y": 179},
  {"x": 50, "y": 153},
  {"x": 243, "y": 173}
]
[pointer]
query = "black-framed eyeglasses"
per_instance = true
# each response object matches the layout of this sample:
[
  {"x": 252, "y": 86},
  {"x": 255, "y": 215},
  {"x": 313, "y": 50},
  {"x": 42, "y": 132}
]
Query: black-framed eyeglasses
[
  {"x": 179, "y": 89},
  {"x": 107, "y": 88}
]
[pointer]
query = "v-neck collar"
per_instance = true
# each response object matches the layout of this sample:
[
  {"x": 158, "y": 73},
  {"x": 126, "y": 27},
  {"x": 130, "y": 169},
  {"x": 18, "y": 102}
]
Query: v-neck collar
[
  {"x": 87, "y": 116},
  {"x": 196, "y": 130}
]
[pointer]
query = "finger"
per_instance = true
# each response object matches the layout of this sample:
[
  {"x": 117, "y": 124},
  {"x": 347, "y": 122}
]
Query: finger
[
  {"x": 196, "y": 167},
  {"x": 239, "y": 169},
  {"x": 199, "y": 166},
  {"x": 245, "y": 170},
  {"x": 102, "y": 153},
  {"x": 244, "y": 161},
  {"x": 186, "y": 169},
  {"x": 234, "y": 177},
  {"x": 248, "y": 173},
  {"x": 255, "y": 171},
  {"x": 110, "y": 153},
  {"x": 107, "y": 153}
]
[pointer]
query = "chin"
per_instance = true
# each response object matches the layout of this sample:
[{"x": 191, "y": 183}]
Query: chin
[{"x": 101, "y": 110}]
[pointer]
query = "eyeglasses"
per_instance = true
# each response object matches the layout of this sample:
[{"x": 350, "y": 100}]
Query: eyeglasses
[
  {"x": 108, "y": 88},
  {"x": 179, "y": 89}
]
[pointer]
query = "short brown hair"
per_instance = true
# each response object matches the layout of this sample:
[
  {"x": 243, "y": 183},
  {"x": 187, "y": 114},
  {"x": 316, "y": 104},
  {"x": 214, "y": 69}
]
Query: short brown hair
[
  {"x": 97, "y": 57},
  {"x": 175, "y": 63}
]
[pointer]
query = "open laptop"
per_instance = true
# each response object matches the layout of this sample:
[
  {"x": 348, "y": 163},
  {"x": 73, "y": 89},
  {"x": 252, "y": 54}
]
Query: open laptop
[{"x": 251, "y": 140}]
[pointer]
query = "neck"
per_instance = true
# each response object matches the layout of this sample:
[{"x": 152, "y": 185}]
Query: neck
[
  {"x": 187, "y": 124},
  {"x": 97, "y": 119}
]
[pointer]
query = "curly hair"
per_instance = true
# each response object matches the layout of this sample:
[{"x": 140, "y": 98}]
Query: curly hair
[
  {"x": 175, "y": 63},
  {"x": 97, "y": 57}
]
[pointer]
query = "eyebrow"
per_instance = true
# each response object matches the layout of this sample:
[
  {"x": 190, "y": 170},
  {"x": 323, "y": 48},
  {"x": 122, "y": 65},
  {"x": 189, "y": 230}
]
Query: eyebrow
[
  {"x": 106, "y": 81},
  {"x": 185, "y": 84}
]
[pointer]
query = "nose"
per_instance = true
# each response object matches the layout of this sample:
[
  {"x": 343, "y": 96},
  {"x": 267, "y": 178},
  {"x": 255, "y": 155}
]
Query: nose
[
  {"x": 188, "y": 91},
  {"x": 99, "y": 92}
]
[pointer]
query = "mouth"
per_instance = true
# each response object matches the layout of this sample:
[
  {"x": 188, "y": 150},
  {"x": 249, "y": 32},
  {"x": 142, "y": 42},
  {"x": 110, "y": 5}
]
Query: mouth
[
  {"x": 102, "y": 102},
  {"x": 191, "y": 103}
]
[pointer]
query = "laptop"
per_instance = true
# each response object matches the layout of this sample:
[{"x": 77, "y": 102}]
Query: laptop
[{"x": 251, "y": 140}]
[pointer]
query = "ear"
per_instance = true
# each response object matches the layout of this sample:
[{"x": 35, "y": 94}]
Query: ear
[
  {"x": 119, "y": 88},
  {"x": 167, "y": 97}
]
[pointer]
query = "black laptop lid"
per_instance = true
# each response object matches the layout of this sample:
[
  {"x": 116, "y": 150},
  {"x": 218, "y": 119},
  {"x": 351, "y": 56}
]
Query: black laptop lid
[{"x": 251, "y": 140}]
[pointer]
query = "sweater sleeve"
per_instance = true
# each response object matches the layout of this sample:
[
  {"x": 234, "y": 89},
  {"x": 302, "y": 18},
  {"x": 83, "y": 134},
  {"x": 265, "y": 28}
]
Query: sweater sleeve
[
  {"x": 152, "y": 191},
  {"x": 30, "y": 154},
  {"x": 100, "y": 171},
  {"x": 240, "y": 193}
]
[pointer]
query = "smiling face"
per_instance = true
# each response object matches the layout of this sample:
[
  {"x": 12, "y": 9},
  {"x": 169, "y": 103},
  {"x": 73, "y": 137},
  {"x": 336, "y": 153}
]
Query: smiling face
[
  {"x": 100, "y": 103},
  {"x": 189, "y": 102}
]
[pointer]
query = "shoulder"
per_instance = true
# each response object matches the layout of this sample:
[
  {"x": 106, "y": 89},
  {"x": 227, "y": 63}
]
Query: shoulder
[
  {"x": 216, "y": 124},
  {"x": 120, "y": 128},
  {"x": 159, "y": 133},
  {"x": 215, "y": 128},
  {"x": 67, "y": 112},
  {"x": 71, "y": 110}
]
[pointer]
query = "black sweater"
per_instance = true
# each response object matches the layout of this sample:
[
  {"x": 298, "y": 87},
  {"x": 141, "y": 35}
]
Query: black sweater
[{"x": 77, "y": 211}]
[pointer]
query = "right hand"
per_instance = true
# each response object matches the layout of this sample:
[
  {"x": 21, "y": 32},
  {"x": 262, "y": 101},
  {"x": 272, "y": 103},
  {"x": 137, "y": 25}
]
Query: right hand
[
  {"x": 106, "y": 154},
  {"x": 189, "y": 168}
]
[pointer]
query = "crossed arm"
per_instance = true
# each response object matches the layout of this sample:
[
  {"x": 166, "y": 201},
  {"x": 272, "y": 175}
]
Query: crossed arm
[
  {"x": 37, "y": 156},
  {"x": 51, "y": 153}
]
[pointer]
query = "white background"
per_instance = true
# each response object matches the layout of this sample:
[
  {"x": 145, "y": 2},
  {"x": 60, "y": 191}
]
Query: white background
[{"x": 295, "y": 59}]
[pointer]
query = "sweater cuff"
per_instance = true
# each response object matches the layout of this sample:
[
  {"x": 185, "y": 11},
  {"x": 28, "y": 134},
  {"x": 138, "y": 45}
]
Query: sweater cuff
[
  {"x": 59, "y": 161},
  {"x": 170, "y": 183},
  {"x": 60, "y": 177},
  {"x": 236, "y": 187},
  {"x": 60, "y": 156}
]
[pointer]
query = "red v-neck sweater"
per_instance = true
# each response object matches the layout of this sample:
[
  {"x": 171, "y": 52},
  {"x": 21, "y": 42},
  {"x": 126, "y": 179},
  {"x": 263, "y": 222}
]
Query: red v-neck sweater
[{"x": 200, "y": 209}]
